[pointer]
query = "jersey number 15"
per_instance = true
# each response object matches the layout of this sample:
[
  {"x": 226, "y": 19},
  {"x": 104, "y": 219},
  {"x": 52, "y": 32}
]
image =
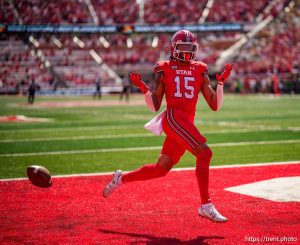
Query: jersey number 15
[{"x": 189, "y": 89}]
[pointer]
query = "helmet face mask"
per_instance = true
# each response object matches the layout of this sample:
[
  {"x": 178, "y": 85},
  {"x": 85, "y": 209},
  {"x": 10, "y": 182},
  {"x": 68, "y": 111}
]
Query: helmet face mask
[
  {"x": 184, "y": 51},
  {"x": 184, "y": 46}
]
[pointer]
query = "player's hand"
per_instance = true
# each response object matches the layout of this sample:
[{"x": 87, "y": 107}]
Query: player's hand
[
  {"x": 226, "y": 73},
  {"x": 135, "y": 78}
]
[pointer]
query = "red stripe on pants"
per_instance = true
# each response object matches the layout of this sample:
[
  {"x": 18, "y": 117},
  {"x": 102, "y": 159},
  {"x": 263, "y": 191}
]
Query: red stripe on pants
[{"x": 179, "y": 130}]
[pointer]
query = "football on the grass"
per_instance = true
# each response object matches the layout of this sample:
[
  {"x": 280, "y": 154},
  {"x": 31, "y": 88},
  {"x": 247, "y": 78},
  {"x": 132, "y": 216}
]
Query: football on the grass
[{"x": 39, "y": 176}]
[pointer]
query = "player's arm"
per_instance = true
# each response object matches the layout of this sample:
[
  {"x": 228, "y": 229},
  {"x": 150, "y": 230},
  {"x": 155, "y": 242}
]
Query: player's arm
[
  {"x": 157, "y": 91},
  {"x": 154, "y": 97},
  {"x": 214, "y": 98}
]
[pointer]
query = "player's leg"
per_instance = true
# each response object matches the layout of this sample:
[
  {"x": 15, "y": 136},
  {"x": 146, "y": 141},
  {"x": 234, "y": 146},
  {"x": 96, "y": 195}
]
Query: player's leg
[
  {"x": 150, "y": 171},
  {"x": 33, "y": 97},
  {"x": 127, "y": 94},
  {"x": 100, "y": 93},
  {"x": 203, "y": 154},
  {"x": 185, "y": 132},
  {"x": 30, "y": 98},
  {"x": 170, "y": 155}
]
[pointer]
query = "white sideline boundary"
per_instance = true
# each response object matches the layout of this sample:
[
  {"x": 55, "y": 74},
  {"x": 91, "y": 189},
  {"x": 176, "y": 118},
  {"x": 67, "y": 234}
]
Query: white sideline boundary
[{"x": 239, "y": 165}]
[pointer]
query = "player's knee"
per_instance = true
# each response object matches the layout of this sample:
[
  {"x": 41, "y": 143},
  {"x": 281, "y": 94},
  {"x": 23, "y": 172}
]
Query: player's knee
[
  {"x": 206, "y": 153},
  {"x": 204, "y": 156},
  {"x": 164, "y": 165},
  {"x": 202, "y": 150},
  {"x": 161, "y": 171}
]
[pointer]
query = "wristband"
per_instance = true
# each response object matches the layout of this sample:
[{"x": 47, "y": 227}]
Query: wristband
[
  {"x": 149, "y": 101},
  {"x": 219, "y": 95}
]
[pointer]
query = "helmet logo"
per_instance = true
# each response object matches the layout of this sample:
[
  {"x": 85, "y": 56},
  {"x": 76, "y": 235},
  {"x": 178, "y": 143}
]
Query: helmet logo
[{"x": 187, "y": 36}]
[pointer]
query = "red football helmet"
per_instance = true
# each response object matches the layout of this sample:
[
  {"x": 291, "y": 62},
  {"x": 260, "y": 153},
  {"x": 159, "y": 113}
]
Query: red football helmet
[{"x": 184, "y": 46}]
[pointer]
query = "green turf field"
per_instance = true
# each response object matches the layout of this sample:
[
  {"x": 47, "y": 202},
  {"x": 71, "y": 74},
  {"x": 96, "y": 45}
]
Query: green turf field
[{"x": 248, "y": 129}]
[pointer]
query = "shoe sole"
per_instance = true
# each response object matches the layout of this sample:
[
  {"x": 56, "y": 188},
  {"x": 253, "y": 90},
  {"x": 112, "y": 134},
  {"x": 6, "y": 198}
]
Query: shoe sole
[
  {"x": 108, "y": 185},
  {"x": 104, "y": 194},
  {"x": 215, "y": 221}
]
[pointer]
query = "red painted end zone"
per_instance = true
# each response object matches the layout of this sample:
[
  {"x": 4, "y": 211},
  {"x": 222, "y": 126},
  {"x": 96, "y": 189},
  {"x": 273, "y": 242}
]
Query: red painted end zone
[{"x": 161, "y": 211}]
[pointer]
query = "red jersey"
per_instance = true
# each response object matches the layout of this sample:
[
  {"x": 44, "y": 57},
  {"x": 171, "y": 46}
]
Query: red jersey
[{"x": 182, "y": 83}]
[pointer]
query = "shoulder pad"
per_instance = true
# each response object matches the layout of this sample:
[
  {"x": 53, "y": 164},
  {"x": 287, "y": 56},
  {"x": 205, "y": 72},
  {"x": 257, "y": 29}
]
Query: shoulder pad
[
  {"x": 159, "y": 66},
  {"x": 201, "y": 66}
]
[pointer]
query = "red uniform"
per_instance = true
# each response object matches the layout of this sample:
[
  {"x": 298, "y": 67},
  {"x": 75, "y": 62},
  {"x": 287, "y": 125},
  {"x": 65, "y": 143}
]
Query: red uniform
[
  {"x": 182, "y": 79},
  {"x": 182, "y": 84}
]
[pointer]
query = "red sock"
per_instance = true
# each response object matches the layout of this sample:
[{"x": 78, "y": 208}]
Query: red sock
[
  {"x": 202, "y": 173},
  {"x": 149, "y": 171}
]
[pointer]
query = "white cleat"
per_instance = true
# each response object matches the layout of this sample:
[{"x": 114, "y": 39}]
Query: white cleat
[
  {"x": 210, "y": 212},
  {"x": 114, "y": 184}
]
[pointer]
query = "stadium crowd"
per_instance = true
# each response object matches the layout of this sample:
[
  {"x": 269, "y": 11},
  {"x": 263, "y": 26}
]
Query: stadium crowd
[
  {"x": 275, "y": 50},
  {"x": 19, "y": 65},
  {"x": 61, "y": 57},
  {"x": 115, "y": 12}
]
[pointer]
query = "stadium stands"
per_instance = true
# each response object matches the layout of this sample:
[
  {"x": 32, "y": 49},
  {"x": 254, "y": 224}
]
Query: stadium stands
[
  {"x": 166, "y": 12},
  {"x": 7, "y": 14},
  {"x": 236, "y": 11},
  {"x": 127, "y": 12},
  {"x": 116, "y": 11},
  {"x": 67, "y": 57},
  {"x": 275, "y": 50},
  {"x": 18, "y": 65},
  {"x": 54, "y": 12}
]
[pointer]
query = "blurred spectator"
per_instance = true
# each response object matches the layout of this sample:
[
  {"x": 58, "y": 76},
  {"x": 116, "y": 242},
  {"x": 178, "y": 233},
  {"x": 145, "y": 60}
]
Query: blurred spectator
[
  {"x": 33, "y": 87},
  {"x": 98, "y": 91},
  {"x": 126, "y": 88}
]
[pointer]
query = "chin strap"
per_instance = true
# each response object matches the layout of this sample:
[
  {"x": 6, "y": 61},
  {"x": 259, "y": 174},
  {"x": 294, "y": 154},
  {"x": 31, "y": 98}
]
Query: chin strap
[
  {"x": 149, "y": 101},
  {"x": 219, "y": 95}
]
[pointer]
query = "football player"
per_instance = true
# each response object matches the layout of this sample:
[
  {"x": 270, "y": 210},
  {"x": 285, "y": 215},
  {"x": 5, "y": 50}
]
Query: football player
[{"x": 180, "y": 79}]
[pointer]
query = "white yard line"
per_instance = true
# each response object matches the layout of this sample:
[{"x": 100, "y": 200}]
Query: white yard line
[
  {"x": 114, "y": 136},
  {"x": 81, "y": 151},
  {"x": 92, "y": 128},
  {"x": 120, "y": 136},
  {"x": 147, "y": 148},
  {"x": 198, "y": 123},
  {"x": 174, "y": 169}
]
